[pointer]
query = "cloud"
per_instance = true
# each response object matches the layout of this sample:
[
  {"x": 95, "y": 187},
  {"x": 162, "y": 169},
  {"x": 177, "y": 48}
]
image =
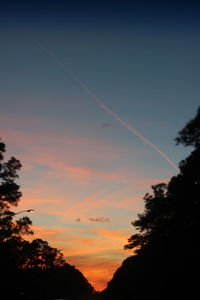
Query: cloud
[
  {"x": 106, "y": 125},
  {"x": 67, "y": 176},
  {"x": 99, "y": 219},
  {"x": 112, "y": 234},
  {"x": 93, "y": 220},
  {"x": 52, "y": 234},
  {"x": 70, "y": 158}
]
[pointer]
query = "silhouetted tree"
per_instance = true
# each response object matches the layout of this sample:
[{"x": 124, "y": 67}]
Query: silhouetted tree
[
  {"x": 190, "y": 134},
  {"x": 11, "y": 231},
  {"x": 9, "y": 197},
  {"x": 167, "y": 251},
  {"x": 31, "y": 270},
  {"x": 153, "y": 224}
]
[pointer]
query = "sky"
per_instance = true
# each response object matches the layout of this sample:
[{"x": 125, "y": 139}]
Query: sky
[{"x": 92, "y": 96}]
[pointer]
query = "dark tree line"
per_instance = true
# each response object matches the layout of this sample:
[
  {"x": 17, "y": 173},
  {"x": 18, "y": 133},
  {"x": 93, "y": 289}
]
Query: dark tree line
[
  {"x": 31, "y": 270},
  {"x": 165, "y": 264}
]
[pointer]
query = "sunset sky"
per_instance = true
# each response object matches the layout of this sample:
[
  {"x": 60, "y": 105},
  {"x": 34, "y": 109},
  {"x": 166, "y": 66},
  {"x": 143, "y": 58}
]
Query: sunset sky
[{"x": 84, "y": 171}]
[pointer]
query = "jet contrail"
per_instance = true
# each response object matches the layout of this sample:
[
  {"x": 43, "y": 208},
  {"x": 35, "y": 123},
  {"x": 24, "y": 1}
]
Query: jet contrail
[{"x": 104, "y": 107}]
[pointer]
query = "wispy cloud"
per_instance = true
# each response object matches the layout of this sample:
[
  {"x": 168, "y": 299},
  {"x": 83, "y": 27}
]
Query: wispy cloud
[
  {"x": 99, "y": 219},
  {"x": 78, "y": 220},
  {"x": 93, "y": 220},
  {"x": 106, "y": 124},
  {"x": 81, "y": 192}
]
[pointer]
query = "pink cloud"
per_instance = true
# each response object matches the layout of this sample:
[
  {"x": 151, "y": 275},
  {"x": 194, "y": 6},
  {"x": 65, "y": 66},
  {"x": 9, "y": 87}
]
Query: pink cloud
[
  {"x": 116, "y": 234},
  {"x": 64, "y": 155},
  {"x": 52, "y": 234}
]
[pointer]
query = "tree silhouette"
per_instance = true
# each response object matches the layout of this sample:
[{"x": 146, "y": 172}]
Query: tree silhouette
[
  {"x": 190, "y": 134},
  {"x": 153, "y": 224},
  {"x": 166, "y": 249},
  {"x": 31, "y": 270},
  {"x": 11, "y": 232},
  {"x": 9, "y": 197}
]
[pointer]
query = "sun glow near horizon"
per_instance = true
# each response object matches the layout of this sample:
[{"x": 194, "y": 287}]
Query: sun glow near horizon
[{"x": 90, "y": 225}]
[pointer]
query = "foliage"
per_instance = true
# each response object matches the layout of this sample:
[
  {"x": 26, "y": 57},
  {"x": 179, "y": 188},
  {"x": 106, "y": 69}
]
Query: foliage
[
  {"x": 9, "y": 197},
  {"x": 167, "y": 251},
  {"x": 153, "y": 223},
  {"x": 190, "y": 134},
  {"x": 32, "y": 270}
]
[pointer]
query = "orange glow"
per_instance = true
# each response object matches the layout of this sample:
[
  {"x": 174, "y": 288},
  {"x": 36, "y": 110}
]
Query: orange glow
[
  {"x": 99, "y": 274},
  {"x": 62, "y": 182},
  {"x": 88, "y": 254}
]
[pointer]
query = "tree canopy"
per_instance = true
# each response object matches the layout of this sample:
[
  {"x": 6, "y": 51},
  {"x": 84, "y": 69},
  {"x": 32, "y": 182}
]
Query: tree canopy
[
  {"x": 9, "y": 197},
  {"x": 40, "y": 267},
  {"x": 190, "y": 134},
  {"x": 166, "y": 249}
]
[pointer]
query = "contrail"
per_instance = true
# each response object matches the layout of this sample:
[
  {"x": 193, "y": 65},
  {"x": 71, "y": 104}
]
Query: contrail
[{"x": 104, "y": 107}]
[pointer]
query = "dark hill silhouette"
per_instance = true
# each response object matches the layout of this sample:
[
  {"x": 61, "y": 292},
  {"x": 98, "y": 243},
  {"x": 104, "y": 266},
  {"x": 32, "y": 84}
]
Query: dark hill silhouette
[{"x": 165, "y": 264}]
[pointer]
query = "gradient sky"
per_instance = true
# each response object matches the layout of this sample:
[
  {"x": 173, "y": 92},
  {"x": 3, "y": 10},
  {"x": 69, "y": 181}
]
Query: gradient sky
[{"x": 83, "y": 172}]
